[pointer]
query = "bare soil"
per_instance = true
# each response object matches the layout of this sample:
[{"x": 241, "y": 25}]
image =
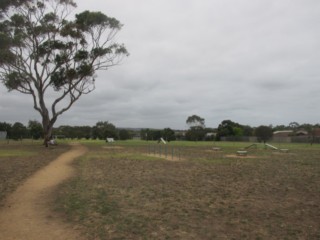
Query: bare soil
[{"x": 26, "y": 213}]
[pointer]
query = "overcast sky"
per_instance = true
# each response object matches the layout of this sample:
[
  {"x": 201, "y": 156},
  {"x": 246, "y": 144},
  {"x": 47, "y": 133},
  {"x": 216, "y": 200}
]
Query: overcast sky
[{"x": 255, "y": 62}]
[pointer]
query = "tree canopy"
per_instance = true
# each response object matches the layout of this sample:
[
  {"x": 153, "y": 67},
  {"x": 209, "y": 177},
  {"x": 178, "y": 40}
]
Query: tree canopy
[
  {"x": 195, "y": 121},
  {"x": 196, "y": 130},
  {"x": 263, "y": 133},
  {"x": 48, "y": 55}
]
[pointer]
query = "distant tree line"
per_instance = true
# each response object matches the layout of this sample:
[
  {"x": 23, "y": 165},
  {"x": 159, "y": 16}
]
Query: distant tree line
[
  {"x": 18, "y": 131},
  {"x": 226, "y": 130},
  {"x": 153, "y": 134},
  {"x": 34, "y": 130},
  {"x": 230, "y": 130}
]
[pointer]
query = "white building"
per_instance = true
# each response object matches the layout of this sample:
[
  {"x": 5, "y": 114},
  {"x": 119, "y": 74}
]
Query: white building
[{"x": 3, "y": 135}]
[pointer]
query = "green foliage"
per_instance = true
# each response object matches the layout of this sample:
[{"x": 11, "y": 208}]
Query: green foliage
[
  {"x": 73, "y": 132},
  {"x": 195, "y": 133},
  {"x": 155, "y": 134},
  {"x": 69, "y": 29},
  {"x": 81, "y": 55},
  {"x": 49, "y": 18},
  {"x": 18, "y": 131},
  {"x": 6, "y": 55},
  {"x": 87, "y": 20},
  {"x": 168, "y": 134},
  {"x": 195, "y": 121},
  {"x": 225, "y": 128},
  {"x": 43, "y": 47},
  {"x": 6, "y": 127},
  {"x": 17, "y": 21},
  {"x": 103, "y": 130},
  {"x": 238, "y": 131},
  {"x": 150, "y": 134},
  {"x": 229, "y": 128},
  {"x": 264, "y": 133},
  {"x": 124, "y": 134},
  {"x": 6, "y": 4},
  {"x": 12, "y": 80},
  {"x": 35, "y": 129}
]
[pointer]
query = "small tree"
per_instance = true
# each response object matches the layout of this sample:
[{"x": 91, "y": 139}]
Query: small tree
[
  {"x": 226, "y": 128},
  {"x": 168, "y": 134},
  {"x": 6, "y": 127},
  {"x": 124, "y": 134},
  {"x": 263, "y": 133},
  {"x": 47, "y": 55},
  {"x": 18, "y": 131},
  {"x": 35, "y": 129}
]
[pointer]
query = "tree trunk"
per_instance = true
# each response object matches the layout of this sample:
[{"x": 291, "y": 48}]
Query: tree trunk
[
  {"x": 47, "y": 130},
  {"x": 47, "y": 136}
]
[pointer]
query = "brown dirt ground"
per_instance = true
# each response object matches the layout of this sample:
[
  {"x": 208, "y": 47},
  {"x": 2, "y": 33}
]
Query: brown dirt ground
[
  {"x": 124, "y": 197},
  {"x": 26, "y": 214}
]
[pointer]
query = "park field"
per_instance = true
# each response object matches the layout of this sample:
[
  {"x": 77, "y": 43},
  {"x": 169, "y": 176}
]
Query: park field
[
  {"x": 182, "y": 190},
  {"x": 187, "y": 190}
]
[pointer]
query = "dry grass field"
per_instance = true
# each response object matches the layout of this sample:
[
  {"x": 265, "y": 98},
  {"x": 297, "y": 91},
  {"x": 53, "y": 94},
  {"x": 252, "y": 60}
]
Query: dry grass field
[
  {"x": 121, "y": 192},
  {"x": 19, "y": 160}
]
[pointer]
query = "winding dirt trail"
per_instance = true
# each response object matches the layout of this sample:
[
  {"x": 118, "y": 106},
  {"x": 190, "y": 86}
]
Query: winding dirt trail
[{"x": 26, "y": 215}]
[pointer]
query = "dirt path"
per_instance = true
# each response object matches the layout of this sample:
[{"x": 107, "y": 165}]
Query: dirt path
[{"x": 26, "y": 215}]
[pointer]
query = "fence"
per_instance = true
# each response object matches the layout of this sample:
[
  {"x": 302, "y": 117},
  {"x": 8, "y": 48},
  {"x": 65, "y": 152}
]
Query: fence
[
  {"x": 291, "y": 139},
  {"x": 165, "y": 151},
  {"x": 239, "y": 139}
]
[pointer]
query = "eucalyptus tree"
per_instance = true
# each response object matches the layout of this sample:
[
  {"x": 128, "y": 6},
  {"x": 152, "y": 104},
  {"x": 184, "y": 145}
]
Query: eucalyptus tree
[
  {"x": 196, "y": 130},
  {"x": 53, "y": 55},
  {"x": 195, "y": 121},
  {"x": 103, "y": 130}
]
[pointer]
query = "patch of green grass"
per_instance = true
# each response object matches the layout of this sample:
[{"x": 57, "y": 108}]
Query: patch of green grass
[{"x": 16, "y": 153}]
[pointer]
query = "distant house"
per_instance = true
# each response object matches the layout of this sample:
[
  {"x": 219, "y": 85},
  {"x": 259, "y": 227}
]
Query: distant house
[
  {"x": 300, "y": 136},
  {"x": 301, "y": 133},
  {"x": 284, "y": 133},
  {"x": 210, "y": 134},
  {"x": 282, "y": 136},
  {"x": 3, "y": 135}
]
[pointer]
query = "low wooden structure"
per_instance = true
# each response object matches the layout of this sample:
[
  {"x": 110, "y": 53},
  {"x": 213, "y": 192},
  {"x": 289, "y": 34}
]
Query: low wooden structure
[{"x": 242, "y": 153}]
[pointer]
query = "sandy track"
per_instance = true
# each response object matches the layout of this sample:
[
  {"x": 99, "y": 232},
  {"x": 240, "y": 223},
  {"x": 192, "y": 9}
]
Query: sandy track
[{"x": 26, "y": 214}]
